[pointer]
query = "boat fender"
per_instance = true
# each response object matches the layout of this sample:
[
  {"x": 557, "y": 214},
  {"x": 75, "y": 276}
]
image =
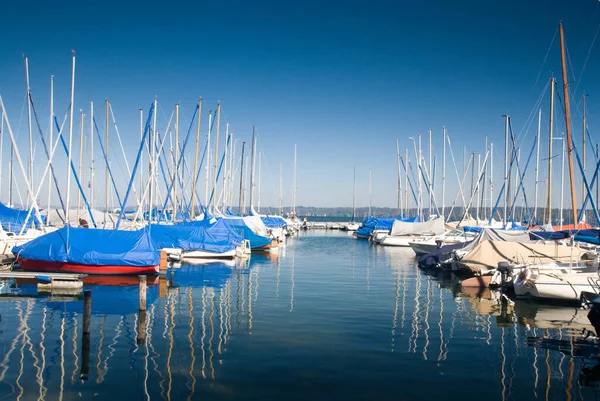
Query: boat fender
[{"x": 523, "y": 277}]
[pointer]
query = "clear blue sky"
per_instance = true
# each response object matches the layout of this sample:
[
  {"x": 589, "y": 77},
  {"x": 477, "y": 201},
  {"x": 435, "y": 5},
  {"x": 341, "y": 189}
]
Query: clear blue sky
[{"x": 341, "y": 80}]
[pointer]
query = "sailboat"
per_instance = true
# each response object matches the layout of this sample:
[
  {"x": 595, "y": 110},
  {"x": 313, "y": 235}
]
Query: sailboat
[
  {"x": 556, "y": 284},
  {"x": 353, "y": 225}
]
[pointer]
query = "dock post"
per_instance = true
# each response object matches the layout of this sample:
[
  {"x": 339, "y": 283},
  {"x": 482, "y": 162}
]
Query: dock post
[
  {"x": 141, "y": 332},
  {"x": 142, "y": 294},
  {"x": 85, "y": 340}
]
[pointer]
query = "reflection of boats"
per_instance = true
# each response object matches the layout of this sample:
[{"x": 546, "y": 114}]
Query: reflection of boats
[
  {"x": 210, "y": 275},
  {"x": 544, "y": 316}
]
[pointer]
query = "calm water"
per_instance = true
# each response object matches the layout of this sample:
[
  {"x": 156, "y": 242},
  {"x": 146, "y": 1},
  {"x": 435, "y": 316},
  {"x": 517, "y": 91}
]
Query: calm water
[{"x": 329, "y": 318}]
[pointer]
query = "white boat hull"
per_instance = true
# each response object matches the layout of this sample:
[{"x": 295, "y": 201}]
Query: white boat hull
[
  {"x": 209, "y": 255},
  {"x": 567, "y": 287},
  {"x": 397, "y": 240}
]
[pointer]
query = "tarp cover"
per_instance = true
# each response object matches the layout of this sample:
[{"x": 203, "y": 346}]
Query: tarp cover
[
  {"x": 433, "y": 227},
  {"x": 273, "y": 221},
  {"x": 487, "y": 254},
  {"x": 92, "y": 247},
  {"x": 378, "y": 223},
  {"x": 491, "y": 234},
  {"x": 442, "y": 255},
  {"x": 13, "y": 219},
  {"x": 234, "y": 226},
  {"x": 193, "y": 238}
]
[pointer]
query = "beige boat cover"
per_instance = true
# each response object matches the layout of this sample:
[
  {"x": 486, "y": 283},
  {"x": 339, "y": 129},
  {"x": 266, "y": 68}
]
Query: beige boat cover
[
  {"x": 487, "y": 254},
  {"x": 430, "y": 227}
]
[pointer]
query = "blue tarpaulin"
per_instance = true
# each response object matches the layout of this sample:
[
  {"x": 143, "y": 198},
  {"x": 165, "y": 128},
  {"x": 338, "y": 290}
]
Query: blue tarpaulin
[
  {"x": 589, "y": 236},
  {"x": 235, "y": 225},
  {"x": 374, "y": 223},
  {"x": 92, "y": 247},
  {"x": 13, "y": 219},
  {"x": 193, "y": 238},
  {"x": 273, "y": 221}
]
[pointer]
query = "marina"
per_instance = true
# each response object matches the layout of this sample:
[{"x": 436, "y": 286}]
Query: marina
[
  {"x": 300, "y": 201},
  {"x": 271, "y": 325}
]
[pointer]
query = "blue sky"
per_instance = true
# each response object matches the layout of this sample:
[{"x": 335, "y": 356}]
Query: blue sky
[{"x": 341, "y": 80}]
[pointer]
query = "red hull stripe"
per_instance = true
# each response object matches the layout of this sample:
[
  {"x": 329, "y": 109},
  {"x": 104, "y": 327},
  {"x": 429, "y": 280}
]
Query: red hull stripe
[{"x": 60, "y": 267}]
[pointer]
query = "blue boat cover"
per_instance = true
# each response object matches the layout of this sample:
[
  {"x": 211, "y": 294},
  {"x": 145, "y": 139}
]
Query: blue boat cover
[
  {"x": 237, "y": 226},
  {"x": 589, "y": 236},
  {"x": 92, "y": 247},
  {"x": 13, "y": 219},
  {"x": 193, "y": 238},
  {"x": 273, "y": 221},
  {"x": 441, "y": 256},
  {"x": 375, "y": 223}
]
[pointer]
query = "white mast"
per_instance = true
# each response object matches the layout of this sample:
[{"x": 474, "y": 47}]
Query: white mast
[
  {"x": 506, "y": 189},
  {"x": 141, "y": 155},
  {"x": 444, "y": 176},
  {"x": 91, "y": 182},
  {"x": 152, "y": 162},
  {"x": 30, "y": 174},
  {"x": 68, "y": 201},
  {"x": 370, "y": 197},
  {"x": 430, "y": 179},
  {"x": 216, "y": 161},
  {"x": 399, "y": 179},
  {"x": 550, "y": 156},
  {"x": 252, "y": 164},
  {"x": 51, "y": 133},
  {"x": 294, "y": 191},
  {"x": 354, "y": 193},
  {"x": 280, "y": 189},
  {"x": 225, "y": 166},
  {"x": 419, "y": 157},
  {"x": 537, "y": 167},
  {"x": 80, "y": 169},
  {"x": 562, "y": 182},
  {"x": 406, "y": 183},
  {"x": 106, "y": 172},
  {"x": 491, "y": 178},
  {"x": 207, "y": 166},
  {"x": 258, "y": 203},
  {"x": 176, "y": 167}
]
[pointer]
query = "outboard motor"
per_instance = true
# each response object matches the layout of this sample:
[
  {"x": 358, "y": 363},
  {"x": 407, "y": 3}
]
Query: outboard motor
[
  {"x": 504, "y": 269},
  {"x": 438, "y": 243}
]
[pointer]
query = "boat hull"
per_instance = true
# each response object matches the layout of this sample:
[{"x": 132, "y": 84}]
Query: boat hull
[
  {"x": 209, "y": 255},
  {"x": 63, "y": 267},
  {"x": 400, "y": 240},
  {"x": 566, "y": 288}
]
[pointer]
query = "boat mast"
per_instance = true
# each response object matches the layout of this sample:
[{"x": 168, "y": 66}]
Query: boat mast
[
  {"x": 176, "y": 167},
  {"x": 141, "y": 156},
  {"x": 354, "y": 193},
  {"x": 91, "y": 180},
  {"x": 194, "y": 172},
  {"x": 370, "y": 198},
  {"x": 430, "y": 179},
  {"x": 68, "y": 202},
  {"x": 399, "y": 180},
  {"x": 568, "y": 125},
  {"x": 444, "y": 175},
  {"x": 216, "y": 160},
  {"x": 80, "y": 169},
  {"x": 550, "y": 156},
  {"x": 258, "y": 202},
  {"x": 152, "y": 163},
  {"x": 241, "y": 198},
  {"x": 207, "y": 167},
  {"x": 562, "y": 182},
  {"x": 280, "y": 189},
  {"x": 106, "y": 174},
  {"x": 584, "y": 126},
  {"x": 491, "y": 179},
  {"x": 419, "y": 176},
  {"x": 226, "y": 166},
  {"x": 537, "y": 166},
  {"x": 294, "y": 191},
  {"x": 406, "y": 183},
  {"x": 30, "y": 175},
  {"x": 51, "y": 134},
  {"x": 252, "y": 163},
  {"x": 506, "y": 190}
]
